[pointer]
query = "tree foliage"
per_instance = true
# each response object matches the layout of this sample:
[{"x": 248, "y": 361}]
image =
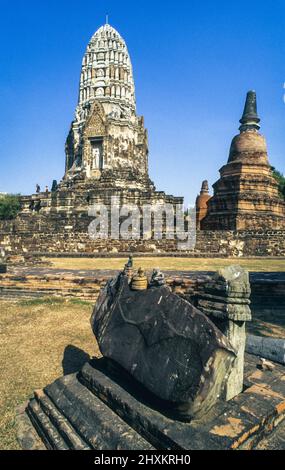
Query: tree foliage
[
  {"x": 10, "y": 206},
  {"x": 280, "y": 178}
]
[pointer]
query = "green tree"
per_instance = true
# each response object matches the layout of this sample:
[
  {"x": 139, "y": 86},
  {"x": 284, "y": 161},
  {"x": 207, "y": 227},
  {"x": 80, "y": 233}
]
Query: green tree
[
  {"x": 280, "y": 178},
  {"x": 10, "y": 206}
]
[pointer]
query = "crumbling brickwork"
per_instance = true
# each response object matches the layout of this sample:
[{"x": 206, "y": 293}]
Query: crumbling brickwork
[{"x": 246, "y": 195}]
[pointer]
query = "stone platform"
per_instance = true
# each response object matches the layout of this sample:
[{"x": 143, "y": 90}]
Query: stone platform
[{"x": 101, "y": 408}]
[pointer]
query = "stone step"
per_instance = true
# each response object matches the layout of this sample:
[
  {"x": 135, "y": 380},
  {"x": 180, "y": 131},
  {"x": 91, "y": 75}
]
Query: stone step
[
  {"x": 237, "y": 424},
  {"x": 102, "y": 408},
  {"x": 27, "y": 435},
  {"x": 62, "y": 425},
  {"x": 140, "y": 410},
  {"x": 94, "y": 421},
  {"x": 274, "y": 441},
  {"x": 46, "y": 430}
]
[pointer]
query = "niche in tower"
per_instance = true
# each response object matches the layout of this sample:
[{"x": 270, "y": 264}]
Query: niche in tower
[{"x": 97, "y": 157}]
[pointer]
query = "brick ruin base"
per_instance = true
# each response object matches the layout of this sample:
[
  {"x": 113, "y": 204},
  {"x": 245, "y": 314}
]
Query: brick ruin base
[{"x": 56, "y": 234}]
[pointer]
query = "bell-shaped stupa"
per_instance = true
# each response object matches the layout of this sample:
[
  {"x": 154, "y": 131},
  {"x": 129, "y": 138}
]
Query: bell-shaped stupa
[{"x": 246, "y": 196}]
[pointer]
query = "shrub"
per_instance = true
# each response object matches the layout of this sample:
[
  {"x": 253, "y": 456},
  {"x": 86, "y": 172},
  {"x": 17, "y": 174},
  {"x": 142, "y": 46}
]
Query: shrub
[
  {"x": 10, "y": 206},
  {"x": 281, "y": 181}
]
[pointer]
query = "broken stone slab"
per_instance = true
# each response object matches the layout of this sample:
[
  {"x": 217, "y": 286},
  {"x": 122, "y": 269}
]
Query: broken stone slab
[
  {"x": 165, "y": 343},
  {"x": 268, "y": 348}
]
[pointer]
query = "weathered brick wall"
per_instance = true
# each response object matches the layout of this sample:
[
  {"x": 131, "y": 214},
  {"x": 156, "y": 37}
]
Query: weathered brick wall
[
  {"x": 242, "y": 243},
  {"x": 267, "y": 293},
  {"x": 57, "y": 234}
]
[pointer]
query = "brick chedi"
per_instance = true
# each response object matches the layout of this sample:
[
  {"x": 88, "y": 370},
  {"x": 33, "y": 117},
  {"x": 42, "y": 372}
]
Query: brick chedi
[
  {"x": 246, "y": 195},
  {"x": 202, "y": 203}
]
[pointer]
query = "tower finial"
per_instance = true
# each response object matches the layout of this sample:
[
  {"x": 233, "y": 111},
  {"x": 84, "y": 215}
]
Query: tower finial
[
  {"x": 107, "y": 19},
  {"x": 205, "y": 187},
  {"x": 250, "y": 119}
]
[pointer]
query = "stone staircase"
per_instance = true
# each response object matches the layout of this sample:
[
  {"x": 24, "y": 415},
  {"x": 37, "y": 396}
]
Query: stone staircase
[{"x": 101, "y": 408}]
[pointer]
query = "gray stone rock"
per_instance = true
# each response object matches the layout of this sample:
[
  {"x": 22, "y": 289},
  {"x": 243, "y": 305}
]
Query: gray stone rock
[{"x": 165, "y": 343}]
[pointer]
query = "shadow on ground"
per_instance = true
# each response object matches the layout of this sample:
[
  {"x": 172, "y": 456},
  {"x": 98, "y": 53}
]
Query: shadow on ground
[
  {"x": 266, "y": 326},
  {"x": 73, "y": 359}
]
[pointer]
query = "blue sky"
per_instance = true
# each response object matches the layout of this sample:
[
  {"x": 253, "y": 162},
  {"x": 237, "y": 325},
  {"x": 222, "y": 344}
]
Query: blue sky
[{"x": 193, "y": 64}]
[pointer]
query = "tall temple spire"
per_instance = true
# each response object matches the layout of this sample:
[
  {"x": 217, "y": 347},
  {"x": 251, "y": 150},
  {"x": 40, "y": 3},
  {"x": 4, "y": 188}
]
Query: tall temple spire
[
  {"x": 250, "y": 119},
  {"x": 106, "y": 74},
  {"x": 107, "y": 137},
  {"x": 106, "y": 81}
]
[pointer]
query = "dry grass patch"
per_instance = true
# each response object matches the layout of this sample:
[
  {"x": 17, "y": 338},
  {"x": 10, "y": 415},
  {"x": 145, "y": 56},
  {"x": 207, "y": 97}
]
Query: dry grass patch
[
  {"x": 39, "y": 341},
  {"x": 171, "y": 263}
]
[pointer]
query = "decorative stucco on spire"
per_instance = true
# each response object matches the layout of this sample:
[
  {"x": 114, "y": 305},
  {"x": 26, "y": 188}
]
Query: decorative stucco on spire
[
  {"x": 106, "y": 81},
  {"x": 106, "y": 75}
]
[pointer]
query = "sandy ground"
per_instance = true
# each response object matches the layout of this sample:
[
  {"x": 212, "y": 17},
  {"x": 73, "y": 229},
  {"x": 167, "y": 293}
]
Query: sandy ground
[{"x": 40, "y": 340}]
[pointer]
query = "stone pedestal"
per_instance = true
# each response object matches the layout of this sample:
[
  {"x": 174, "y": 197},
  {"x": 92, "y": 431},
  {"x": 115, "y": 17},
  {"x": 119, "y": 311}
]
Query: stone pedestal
[
  {"x": 225, "y": 299},
  {"x": 100, "y": 408},
  {"x": 164, "y": 343},
  {"x": 235, "y": 332}
]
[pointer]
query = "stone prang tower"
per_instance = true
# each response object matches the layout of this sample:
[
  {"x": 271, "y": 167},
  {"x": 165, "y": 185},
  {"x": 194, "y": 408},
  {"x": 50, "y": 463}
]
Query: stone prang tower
[
  {"x": 107, "y": 145},
  {"x": 107, "y": 135}
]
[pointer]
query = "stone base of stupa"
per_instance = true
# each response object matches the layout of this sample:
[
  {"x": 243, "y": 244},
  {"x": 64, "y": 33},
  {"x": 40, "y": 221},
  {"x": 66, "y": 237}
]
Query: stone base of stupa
[{"x": 101, "y": 408}]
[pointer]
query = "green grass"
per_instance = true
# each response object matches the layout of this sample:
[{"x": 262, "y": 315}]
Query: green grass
[
  {"x": 42, "y": 301},
  {"x": 170, "y": 264},
  {"x": 53, "y": 301},
  {"x": 81, "y": 302}
]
